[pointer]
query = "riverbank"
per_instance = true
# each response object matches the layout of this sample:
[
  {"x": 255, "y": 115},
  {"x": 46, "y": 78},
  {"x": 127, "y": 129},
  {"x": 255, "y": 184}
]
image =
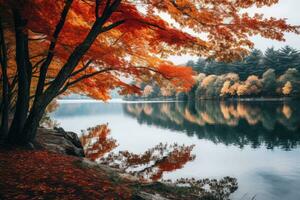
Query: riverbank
[{"x": 56, "y": 169}]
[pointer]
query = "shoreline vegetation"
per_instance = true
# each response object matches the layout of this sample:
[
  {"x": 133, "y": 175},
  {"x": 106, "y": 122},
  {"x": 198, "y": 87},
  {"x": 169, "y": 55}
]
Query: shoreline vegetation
[
  {"x": 272, "y": 74},
  {"x": 220, "y": 99},
  {"x": 59, "y": 170}
]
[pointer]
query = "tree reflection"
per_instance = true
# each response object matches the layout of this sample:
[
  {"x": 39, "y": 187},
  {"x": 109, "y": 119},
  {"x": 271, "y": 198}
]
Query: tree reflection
[
  {"x": 149, "y": 165},
  {"x": 96, "y": 142},
  {"x": 153, "y": 163},
  {"x": 273, "y": 124},
  {"x": 208, "y": 188}
]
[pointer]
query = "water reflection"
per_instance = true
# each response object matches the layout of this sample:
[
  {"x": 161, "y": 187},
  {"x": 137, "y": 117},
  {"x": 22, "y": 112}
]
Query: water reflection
[
  {"x": 245, "y": 140},
  {"x": 153, "y": 163},
  {"x": 149, "y": 165},
  {"x": 96, "y": 142},
  {"x": 272, "y": 124}
]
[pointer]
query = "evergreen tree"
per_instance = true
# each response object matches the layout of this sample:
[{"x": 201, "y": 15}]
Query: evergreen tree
[
  {"x": 200, "y": 65},
  {"x": 288, "y": 58},
  {"x": 271, "y": 59},
  {"x": 253, "y": 64}
]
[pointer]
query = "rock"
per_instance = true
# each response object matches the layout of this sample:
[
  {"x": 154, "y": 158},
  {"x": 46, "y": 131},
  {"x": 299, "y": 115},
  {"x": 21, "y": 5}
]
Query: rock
[
  {"x": 59, "y": 141},
  {"x": 70, "y": 136},
  {"x": 147, "y": 196}
]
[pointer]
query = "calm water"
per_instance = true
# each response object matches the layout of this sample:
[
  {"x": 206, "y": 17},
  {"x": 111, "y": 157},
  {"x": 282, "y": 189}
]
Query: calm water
[{"x": 256, "y": 142}]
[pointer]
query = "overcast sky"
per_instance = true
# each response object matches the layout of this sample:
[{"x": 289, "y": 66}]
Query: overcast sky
[{"x": 289, "y": 9}]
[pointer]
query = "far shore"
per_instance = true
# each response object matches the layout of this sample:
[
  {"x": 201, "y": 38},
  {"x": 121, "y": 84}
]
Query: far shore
[{"x": 160, "y": 100}]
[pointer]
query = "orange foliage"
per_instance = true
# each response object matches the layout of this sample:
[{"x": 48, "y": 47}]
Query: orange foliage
[
  {"x": 136, "y": 46},
  {"x": 287, "y": 88}
]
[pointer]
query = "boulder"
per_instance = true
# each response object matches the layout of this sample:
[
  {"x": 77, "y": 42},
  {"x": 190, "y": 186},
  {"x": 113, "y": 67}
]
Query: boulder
[{"x": 59, "y": 141}]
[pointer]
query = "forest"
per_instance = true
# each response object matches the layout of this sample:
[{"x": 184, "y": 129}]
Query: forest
[{"x": 272, "y": 74}]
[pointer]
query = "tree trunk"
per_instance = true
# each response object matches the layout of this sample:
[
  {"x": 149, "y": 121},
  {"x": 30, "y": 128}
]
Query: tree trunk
[
  {"x": 5, "y": 84},
  {"x": 15, "y": 135},
  {"x": 28, "y": 130},
  {"x": 53, "y": 90},
  {"x": 35, "y": 116}
]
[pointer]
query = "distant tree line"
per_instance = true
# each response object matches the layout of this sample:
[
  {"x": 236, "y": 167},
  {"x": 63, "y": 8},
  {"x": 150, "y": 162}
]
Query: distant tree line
[
  {"x": 255, "y": 64},
  {"x": 274, "y": 73},
  {"x": 230, "y": 85}
]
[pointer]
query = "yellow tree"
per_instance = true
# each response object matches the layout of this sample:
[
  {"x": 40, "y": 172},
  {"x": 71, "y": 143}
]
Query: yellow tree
[{"x": 287, "y": 88}]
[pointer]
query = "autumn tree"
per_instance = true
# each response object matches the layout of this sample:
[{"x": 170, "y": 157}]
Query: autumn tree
[
  {"x": 252, "y": 86},
  {"x": 52, "y": 47},
  {"x": 292, "y": 76},
  {"x": 287, "y": 88},
  {"x": 230, "y": 85},
  {"x": 147, "y": 90}
]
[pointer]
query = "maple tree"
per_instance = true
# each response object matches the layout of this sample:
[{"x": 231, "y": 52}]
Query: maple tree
[{"x": 51, "y": 47}]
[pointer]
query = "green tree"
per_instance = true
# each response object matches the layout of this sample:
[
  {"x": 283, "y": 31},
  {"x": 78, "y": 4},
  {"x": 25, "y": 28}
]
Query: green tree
[
  {"x": 271, "y": 59},
  {"x": 269, "y": 83},
  {"x": 288, "y": 57}
]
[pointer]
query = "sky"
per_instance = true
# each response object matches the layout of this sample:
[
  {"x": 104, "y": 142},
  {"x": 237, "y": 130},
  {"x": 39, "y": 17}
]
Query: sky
[{"x": 289, "y": 9}]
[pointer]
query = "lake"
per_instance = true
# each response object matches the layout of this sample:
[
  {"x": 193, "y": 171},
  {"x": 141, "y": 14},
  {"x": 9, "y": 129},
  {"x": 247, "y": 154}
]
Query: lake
[{"x": 255, "y": 142}]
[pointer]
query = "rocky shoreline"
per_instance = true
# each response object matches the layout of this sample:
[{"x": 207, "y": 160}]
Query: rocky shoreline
[
  {"x": 58, "y": 140},
  {"x": 66, "y": 143}
]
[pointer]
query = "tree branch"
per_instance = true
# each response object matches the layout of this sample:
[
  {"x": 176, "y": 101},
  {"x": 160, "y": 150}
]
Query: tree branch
[
  {"x": 111, "y": 26},
  {"x": 46, "y": 63},
  {"x": 81, "y": 49},
  {"x": 82, "y": 78},
  {"x": 85, "y": 66},
  {"x": 36, "y": 65},
  {"x": 97, "y": 8}
]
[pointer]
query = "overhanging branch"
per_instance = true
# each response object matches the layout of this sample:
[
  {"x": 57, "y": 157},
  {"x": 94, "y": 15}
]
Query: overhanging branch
[{"x": 46, "y": 63}]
